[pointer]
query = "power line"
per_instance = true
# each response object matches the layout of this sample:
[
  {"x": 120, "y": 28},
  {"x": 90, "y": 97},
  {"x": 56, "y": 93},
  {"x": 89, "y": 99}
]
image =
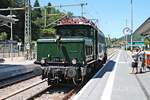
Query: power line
[{"x": 59, "y": 6}]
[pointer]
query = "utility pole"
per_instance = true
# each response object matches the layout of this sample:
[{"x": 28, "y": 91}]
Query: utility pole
[
  {"x": 27, "y": 33},
  {"x": 109, "y": 40},
  {"x": 45, "y": 18},
  {"x": 131, "y": 24},
  {"x": 11, "y": 37},
  {"x": 82, "y": 10},
  {"x": 126, "y": 35}
]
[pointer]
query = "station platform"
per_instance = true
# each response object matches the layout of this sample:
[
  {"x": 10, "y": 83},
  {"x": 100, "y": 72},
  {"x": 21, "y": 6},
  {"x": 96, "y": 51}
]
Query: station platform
[
  {"x": 115, "y": 82},
  {"x": 16, "y": 60},
  {"x": 17, "y": 66}
]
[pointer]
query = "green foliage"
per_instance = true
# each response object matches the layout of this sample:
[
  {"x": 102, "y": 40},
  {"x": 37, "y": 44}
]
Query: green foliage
[
  {"x": 137, "y": 37},
  {"x": 49, "y": 9},
  {"x": 35, "y": 30},
  {"x": 18, "y": 28},
  {"x": 48, "y": 32},
  {"x": 20, "y": 3},
  {"x": 147, "y": 41},
  {"x": 36, "y": 13},
  {"x": 3, "y": 36}
]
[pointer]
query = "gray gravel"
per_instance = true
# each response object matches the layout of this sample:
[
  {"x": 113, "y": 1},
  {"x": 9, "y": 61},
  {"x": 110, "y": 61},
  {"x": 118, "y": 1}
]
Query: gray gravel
[
  {"x": 15, "y": 87},
  {"x": 53, "y": 96}
]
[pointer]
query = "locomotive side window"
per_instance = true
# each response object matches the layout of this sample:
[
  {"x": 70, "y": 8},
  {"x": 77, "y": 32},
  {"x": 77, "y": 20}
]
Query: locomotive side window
[
  {"x": 100, "y": 48},
  {"x": 92, "y": 32},
  {"x": 88, "y": 50}
]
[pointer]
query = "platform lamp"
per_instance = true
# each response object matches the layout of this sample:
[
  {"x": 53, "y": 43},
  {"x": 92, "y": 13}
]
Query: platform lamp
[
  {"x": 11, "y": 34},
  {"x": 131, "y": 24}
]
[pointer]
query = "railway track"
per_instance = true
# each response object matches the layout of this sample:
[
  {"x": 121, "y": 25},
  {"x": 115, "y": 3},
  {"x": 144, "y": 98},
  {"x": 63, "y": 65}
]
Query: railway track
[
  {"x": 27, "y": 92},
  {"x": 14, "y": 80},
  {"x": 71, "y": 93},
  {"x": 57, "y": 93},
  {"x": 20, "y": 77}
]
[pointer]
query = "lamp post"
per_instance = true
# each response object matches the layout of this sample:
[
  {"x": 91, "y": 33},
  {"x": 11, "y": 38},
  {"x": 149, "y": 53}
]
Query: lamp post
[
  {"x": 131, "y": 24},
  {"x": 126, "y": 31},
  {"x": 11, "y": 34}
]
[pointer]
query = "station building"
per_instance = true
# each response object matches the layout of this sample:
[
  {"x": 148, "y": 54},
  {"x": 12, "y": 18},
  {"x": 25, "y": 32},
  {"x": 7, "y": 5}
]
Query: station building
[
  {"x": 144, "y": 30},
  {"x": 136, "y": 44}
]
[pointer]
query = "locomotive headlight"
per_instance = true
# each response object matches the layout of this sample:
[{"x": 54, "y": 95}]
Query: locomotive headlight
[
  {"x": 42, "y": 61},
  {"x": 74, "y": 61},
  {"x": 83, "y": 62},
  {"x": 58, "y": 37}
]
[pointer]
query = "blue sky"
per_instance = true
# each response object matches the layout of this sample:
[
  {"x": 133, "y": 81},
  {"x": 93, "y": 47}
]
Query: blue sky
[{"x": 112, "y": 14}]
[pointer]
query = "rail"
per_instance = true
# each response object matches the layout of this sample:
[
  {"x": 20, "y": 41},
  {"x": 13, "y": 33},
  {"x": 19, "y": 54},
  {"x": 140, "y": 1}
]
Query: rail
[{"x": 26, "y": 89}]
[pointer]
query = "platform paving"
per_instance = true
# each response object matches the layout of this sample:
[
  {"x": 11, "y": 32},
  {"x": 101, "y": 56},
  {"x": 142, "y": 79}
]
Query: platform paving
[
  {"x": 114, "y": 82},
  {"x": 18, "y": 66},
  {"x": 16, "y": 61}
]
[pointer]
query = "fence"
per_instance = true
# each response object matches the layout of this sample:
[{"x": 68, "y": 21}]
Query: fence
[
  {"x": 5, "y": 49},
  {"x": 17, "y": 50}
]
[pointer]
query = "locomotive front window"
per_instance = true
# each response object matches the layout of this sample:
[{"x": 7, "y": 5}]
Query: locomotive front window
[{"x": 73, "y": 31}]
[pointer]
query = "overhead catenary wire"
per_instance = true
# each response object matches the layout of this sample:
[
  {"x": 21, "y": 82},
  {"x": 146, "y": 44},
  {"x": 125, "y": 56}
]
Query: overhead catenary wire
[{"x": 59, "y": 6}]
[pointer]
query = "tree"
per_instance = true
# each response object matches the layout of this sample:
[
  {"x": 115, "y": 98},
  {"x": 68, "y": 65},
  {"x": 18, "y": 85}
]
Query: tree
[
  {"x": 3, "y": 36},
  {"x": 18, "y": 28},
  {"x": 20, "y": 3},
  {"x": 49, "y": 32},
  {"x": 36, "y": 23},
  {"x": 36, "y": 13},
  {"x": 4, "y": 4},
  {"x": 49, "y": 8},
  {"x": 147, "y": 41}
]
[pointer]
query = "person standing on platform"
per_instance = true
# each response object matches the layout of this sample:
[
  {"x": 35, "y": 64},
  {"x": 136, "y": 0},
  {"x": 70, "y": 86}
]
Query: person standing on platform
[
  {"x": 135, "y": 61},
  {"x": 141, "y": 60}
]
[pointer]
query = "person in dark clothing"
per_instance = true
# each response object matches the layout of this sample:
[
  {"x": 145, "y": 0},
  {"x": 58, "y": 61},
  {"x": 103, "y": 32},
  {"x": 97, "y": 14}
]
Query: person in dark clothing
[
  {"x": 135, "y": 61},
  {"x": 141, "y": 60}
]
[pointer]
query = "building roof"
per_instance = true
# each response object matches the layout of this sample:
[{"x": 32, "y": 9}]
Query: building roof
[{"x": 144, "y": 29}]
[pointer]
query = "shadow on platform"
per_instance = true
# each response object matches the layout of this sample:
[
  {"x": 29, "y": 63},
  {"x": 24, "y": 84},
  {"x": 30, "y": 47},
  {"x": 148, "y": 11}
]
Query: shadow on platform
[
  {"x": 2, "y": 65},
  {"x": 107, "y": 68},
  {"x": 2, "y": 60}
]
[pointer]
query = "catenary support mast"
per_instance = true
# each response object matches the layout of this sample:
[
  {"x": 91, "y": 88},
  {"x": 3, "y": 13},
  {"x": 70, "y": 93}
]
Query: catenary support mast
[{"x": 27, "y": 32}]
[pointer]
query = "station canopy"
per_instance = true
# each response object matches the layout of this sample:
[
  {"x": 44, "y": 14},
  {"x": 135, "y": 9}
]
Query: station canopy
[
  {"x": 6, "y": 20},
  {"x": 144, "y": 29}
]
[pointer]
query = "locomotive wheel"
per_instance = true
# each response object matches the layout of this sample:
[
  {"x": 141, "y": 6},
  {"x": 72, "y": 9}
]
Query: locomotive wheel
[{"x": 78, "y": 80}]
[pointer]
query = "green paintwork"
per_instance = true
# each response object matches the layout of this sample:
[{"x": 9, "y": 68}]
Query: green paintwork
[{"x": 66, "y": 49}]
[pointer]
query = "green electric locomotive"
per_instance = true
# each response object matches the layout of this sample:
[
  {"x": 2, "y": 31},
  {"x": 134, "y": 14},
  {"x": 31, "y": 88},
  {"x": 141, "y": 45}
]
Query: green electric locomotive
[{"x": 75, "y": 52}]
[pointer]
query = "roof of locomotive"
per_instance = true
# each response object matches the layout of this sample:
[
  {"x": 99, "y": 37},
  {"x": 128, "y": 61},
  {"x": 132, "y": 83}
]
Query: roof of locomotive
[{"x": 76, "y": 20}]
